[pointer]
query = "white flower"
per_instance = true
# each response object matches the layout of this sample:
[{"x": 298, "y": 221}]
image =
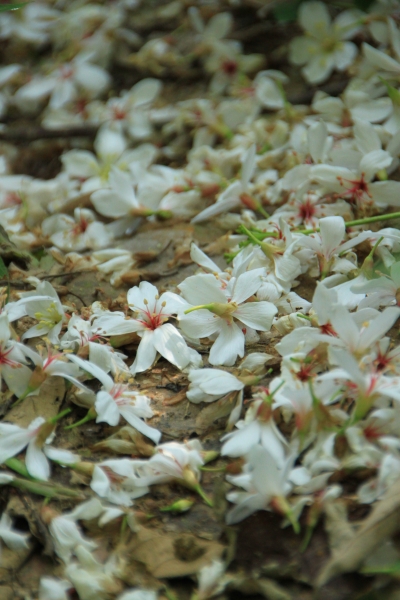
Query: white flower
[
  {"x": 116, "y": 400},
  {"x": 258, "y": 427},
  {"x": 66, "y": 534},
  {"x": 48, "y": 366},
  {"x": 356, "y": 186},
  {"x": 210, "y": 580},
  {"x": 267, "y": 485},
  {"x": 236, "y": 193},
  {"x": 327, "y": 244},
  {"x": 224, "y": 313},
  {"x": 94, "y": 169},
  {"x": 359, "y": 331},
  {"x": 32, "y": 24},
  {"x": 207, "y": 385},
  {"x": 138, "y": 594},
  {"x": 130, "y": 110},
  {"x": 152, "y": 313},
  {"x": 37, "y": 437},
  {"x": 174, "y": 461},
  {"x": 54, "y": 589},
  {"x": 381, "y": 60},
  {"x": 120, "y": 200},
  {"x": 269, "y": 89},
  {"x": 64, "y": 85},
  {"x": 83, "y": 336},
  {"x": 324, "y": 48},
  {"x": 45, "y": 306},
  {"x": 12, "y": 360},
  {"x": 78, "y": 233},
  {"x": 12, "y": 538},
  {"x": 383, "y": 291},
  {"x": 117, "y": 481},
  {"x": 91, "y": 579},
  {"x": 366, "y": 386}
]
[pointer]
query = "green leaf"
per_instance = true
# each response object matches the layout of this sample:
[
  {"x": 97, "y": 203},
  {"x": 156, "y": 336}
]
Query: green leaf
[
  {"x": 287, "y": 11},
  {"x": 3, "y": 269},
  {"x": 4, "y": 7}
]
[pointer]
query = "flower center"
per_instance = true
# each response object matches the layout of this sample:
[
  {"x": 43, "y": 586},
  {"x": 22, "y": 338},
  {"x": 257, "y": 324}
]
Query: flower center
[
  {"x": 50, "y": 317},
  {"x": 4, "y": 360},
  {"x": 306, "y": 210},
  {"x": 152, "y": 319},
  {"x": 357, "y": 189}
]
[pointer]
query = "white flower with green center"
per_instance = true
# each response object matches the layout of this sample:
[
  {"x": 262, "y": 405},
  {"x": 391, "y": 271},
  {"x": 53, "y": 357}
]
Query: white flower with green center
[
  {"x": 324, "y": 48},
  {"x": 45, "y": 306},
  {"x": 224, "y": 314}
]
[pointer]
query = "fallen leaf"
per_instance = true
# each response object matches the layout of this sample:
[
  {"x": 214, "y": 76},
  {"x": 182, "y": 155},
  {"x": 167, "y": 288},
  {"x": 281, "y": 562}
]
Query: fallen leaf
[
  {"x": 339, "y": 530},
  {"x": 215, "y": 410},
  {"x": 383, "y": 522},
  {"x": 46, "y": 404},
  {"x": 173, "y": 555},
  {"x": 9, "y": 251}
]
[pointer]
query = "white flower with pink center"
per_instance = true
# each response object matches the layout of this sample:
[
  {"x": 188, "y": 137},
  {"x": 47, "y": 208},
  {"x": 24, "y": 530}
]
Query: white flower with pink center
[
  {"x": 116, "y": 400},
  {"x": 152, "y": 313}
]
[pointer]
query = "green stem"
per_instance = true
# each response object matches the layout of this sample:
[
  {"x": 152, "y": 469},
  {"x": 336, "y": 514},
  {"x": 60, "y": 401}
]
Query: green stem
[
  {"x": 203, "y": 495},
  {"x": 356, "y": 222},
  {"x": 262, "y": 211},
  {"x": 44, "y": 489},
  {"x": 60, "y": 416},
  {"x": 213, "y": 470},
  {"x": 199, "y": 307},
  {"x": 18, "y": 466},
  {"x": 21, "y": 398},
  {"x": 307, "y": 538},
  {"x": 88, "y": 417}
]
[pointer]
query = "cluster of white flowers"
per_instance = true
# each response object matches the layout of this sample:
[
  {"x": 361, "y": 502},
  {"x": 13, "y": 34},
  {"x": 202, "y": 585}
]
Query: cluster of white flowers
[{"x": 325, "y": 172}]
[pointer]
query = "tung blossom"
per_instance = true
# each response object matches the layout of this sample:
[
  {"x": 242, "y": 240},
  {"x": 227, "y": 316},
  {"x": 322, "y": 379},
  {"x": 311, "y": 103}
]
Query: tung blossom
[
  {"x": 224, "y": 315},
  {"x": 150, "y": 323},
  {"x": 37, "y": 437},
  {"x": 324, "y": 48},
  {"x": 78, "y": 233},
  {"x": 266, "y": 486},
  {"x": 116, "y": 400}
]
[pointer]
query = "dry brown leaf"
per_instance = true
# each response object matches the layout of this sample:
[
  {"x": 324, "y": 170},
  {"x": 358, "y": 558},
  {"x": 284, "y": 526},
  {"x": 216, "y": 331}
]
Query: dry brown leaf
[
  {"x": 46, "y": 404},
  {"x": 266, "y": 587},
  {"x": 339, "y": 530},
  {"x": 214, "y": 411},
  {"x": 383, "y": 522},
  {"x": 173, "y": 555}
]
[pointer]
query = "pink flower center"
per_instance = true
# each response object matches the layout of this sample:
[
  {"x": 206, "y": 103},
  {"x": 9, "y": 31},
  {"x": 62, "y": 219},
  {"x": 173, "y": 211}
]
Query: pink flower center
[
  {"x": 358, "y": 188},
  {"x": 4, "y": 360},
  {"x": 306, "y": 210},
  {"x": 12, "y": 199},
  {"x": 119, "y": 114},
  {"x": 230, "y": 67},
  {"x": 152, "y": 319},
  {"x": 80, "y": 227}
]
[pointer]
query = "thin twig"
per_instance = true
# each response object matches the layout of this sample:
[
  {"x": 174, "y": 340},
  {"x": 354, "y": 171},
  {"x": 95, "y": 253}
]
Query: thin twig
[{"x": 31, "y": 134}]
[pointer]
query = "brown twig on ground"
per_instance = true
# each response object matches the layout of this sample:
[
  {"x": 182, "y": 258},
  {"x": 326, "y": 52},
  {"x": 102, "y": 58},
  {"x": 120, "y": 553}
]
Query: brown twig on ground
[{"x": 31, "y": 134}]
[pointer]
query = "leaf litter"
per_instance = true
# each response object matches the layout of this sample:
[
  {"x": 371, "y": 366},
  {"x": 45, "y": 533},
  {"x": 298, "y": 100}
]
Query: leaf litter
[{"x": 284, "y": 483}]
